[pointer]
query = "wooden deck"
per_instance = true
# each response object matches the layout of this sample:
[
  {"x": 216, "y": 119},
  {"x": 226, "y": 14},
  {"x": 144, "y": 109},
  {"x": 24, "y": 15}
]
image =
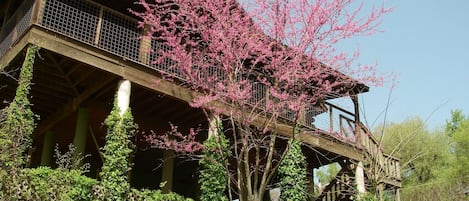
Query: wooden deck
[{"x": 97, "y": 36}]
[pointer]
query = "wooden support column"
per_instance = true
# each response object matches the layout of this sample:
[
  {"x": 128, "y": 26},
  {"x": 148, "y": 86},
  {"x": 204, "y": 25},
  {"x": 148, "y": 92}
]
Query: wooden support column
[
  {"x": 398, "y": 195},
  {"x": 47, "y": 149},
  {"x": 310, "y": 183},
  {"x": 81, "y": 131},
  {"x": 168, "y": 170},
  {"x": 356, "y": 107},
  {"x": 213, "y": 122},
  {"x": 360, "y": 179},
  {"x": 123, "y": 96}
]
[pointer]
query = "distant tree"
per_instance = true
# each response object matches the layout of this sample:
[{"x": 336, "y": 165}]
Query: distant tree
[
  {"x": 434, "y": 163},
  {"x": 461, "y": 149},
  {"x": 422, "y": 152},
  {"x": 458, "y": 129},
  {"x": 327, "y": 173},
  {"x": 235, "y": 52},
  {"x": 457, "y": 117}
]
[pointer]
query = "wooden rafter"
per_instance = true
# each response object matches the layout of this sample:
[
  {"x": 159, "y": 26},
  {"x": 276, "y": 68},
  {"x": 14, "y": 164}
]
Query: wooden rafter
[
  {"x": 71, "y": 106},
  {"x": 57, "y": 65}
]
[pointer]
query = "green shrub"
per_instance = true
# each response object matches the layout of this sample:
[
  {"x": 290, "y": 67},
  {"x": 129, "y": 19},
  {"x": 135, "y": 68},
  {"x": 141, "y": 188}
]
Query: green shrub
[
  {"x": 43, "y": 183},
  {"x": 59, "y": 184},
  {"x": 154, "y": 195}
]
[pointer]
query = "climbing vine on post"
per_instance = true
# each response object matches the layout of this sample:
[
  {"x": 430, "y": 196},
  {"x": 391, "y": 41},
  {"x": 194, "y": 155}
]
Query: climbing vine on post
[
  {"x": 214, "y": 175},
  {"x": 16, "y": 130},
  {"x": 293, "y": 173},
  {"x": 116, "y": 154}
]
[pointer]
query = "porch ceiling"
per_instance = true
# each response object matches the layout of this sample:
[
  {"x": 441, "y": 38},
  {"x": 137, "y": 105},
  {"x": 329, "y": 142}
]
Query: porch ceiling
[{"x": 61, "y": 85}]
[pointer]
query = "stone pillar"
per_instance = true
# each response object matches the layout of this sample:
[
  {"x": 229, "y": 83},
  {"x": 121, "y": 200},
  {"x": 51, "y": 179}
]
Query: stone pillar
[
  {"x": 168, "y": 170},
  {"x": 360, "y": 179},
  {"x": 81, "y": 131},
  {"x": 47, "y": 149}
]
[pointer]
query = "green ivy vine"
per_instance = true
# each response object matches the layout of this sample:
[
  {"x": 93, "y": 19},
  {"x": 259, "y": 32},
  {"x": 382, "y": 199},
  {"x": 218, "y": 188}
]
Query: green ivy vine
[
  {"x": 17, "y": 128},
  {"x": 213, "y": 177},
  {"x": 293, "y": 174},
  {"x": 116, "y": 153}
]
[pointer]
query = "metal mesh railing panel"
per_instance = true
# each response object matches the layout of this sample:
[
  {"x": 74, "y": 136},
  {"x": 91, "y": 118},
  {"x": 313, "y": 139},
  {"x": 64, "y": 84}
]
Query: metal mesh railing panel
[
  {"x": 167, "y": 66},
  {"x": 258, "y": 95},
  {"x": 120, "y": 35},
  {"x": 75, "y": 18},
  {"x": 19, "y": 22},
  {"x": 311, "y": 111}
]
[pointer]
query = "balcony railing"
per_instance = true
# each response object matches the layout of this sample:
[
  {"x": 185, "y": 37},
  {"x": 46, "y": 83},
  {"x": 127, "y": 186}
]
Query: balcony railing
[
  {"x": 116, "y": 33},
  {"x": 111, "y": 31},
  {"x": 19, "y": 22}
]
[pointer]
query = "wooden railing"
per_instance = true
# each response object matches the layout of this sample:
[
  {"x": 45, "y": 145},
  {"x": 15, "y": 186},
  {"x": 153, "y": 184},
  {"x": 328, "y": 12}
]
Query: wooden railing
[
  {"x": 16, "y": 26},
  {"x": 339, "y": 188},
  {"x": 387, "y": 164}
]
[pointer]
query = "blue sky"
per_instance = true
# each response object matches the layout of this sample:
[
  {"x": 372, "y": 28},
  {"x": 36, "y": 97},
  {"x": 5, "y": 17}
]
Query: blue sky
[{"x": 426, "y": 43}]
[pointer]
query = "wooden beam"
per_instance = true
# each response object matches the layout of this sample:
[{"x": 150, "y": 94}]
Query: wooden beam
[
  {"x": 9, "y": 55},
  {"x": 83, "y": 77},
  {"x": 70, "y": 107},
  {"x": 6, "y": 12},
  {"x": 57, "y": 65},
  {"x": 131, "y": 71}
]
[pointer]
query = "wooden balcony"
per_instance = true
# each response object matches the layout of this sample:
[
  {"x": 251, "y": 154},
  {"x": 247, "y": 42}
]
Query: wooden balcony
[{"x": 99, "y": 36}]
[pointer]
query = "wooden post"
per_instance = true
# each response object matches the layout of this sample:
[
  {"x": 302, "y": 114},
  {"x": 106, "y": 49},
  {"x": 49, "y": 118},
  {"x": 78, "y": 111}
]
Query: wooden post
[
  {"x": 310, "y": 183},
  {"x": 145, "y": 46},
  {"x": 398, "y": 195},
  {"x": 168, "y": 170},
  {"x": 81, "y": 131},
  {"x": 98, "y": 26},
  {"x": 360, "y": 179},
  {"x": 357, "y": 118},
  {"x": 47, "y": 149},
  {"x": 123, "y": 96},
  {"x": 37, "y": 11},
  {"x": 331, "y": 119},
  {"x": 213, "y": 122},
  {"x": 302, "y": 115}
]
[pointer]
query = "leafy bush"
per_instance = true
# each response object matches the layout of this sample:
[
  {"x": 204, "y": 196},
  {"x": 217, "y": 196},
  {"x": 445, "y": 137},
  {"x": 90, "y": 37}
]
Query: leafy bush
[
  {"x": 154, "y": 195},
  {"x": 59, "y": 184},
  {"x": 43, "y": 183}
]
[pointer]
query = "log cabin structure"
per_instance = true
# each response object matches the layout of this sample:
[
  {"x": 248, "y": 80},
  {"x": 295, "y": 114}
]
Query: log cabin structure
[{"x": 89, "y": 46}]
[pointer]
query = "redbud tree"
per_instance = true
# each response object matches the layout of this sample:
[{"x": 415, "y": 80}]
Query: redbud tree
[{"x": 255, "y": 61}]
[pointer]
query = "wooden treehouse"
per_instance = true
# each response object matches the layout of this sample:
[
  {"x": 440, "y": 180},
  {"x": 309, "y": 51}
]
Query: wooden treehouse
[{"x": 87, "y": 47}]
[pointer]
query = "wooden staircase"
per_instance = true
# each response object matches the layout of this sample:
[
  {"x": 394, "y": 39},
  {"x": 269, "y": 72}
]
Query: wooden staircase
[
  {"x": 340, "y": 188},
  {"x": 380, "y": 168}
]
